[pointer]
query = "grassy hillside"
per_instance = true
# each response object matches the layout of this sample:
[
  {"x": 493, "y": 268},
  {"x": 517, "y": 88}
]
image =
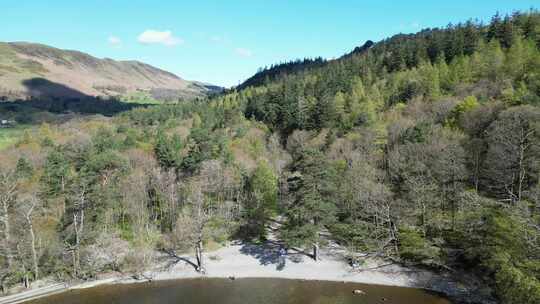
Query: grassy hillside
[{"x": 21, "y": 64}]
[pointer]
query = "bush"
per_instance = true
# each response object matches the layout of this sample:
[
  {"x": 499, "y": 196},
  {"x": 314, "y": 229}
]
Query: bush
[{"x": 414, "y": 247}]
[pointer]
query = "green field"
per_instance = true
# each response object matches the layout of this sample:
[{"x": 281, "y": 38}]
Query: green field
[
  {"x": 9, "y": 136},
  {"x": 140, "y": 97}
]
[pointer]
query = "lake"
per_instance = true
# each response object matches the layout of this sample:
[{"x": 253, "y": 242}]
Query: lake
[{"x": 243, "y": 291}]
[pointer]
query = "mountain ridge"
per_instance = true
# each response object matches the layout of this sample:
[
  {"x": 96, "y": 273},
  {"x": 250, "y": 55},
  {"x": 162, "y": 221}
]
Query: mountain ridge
[{"x": 20, "y": 62}]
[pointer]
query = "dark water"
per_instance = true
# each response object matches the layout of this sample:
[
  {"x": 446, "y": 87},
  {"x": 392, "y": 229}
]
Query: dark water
[{"x": 243, "y": 291}]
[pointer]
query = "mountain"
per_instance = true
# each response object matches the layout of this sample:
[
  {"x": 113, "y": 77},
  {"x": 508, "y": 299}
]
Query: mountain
[
  {"x": 37, "y": 70},
  {"x": 282, "y": 69},
  {"x": 275, "y": 71}
]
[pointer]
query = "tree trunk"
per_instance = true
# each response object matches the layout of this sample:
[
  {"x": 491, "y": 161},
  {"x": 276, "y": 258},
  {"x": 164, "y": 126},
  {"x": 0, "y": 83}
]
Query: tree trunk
[
  {"x": 7, "y": 233},
  {"x": 74, "y": 262},
  {"x": 3, "y": 284},
  {"x": 78, "y": 226},
  {"x": 28, "y": 217},
  {"x": 424, "y": 232},
  {"x": 454, "y": 203},
  {"x": 199, "y": 256},
  {"x": 394, "y": 235},
  {"x": 26, "y": 281},
  {"x": 521, "y": 170},
  {"x": 316, "y": 251},
  {"x": 8, "y": 190},
  {"x": 476, "y": 171},
  {"x": 76, "y": 256},
  {"x": 34, "y": 253}
]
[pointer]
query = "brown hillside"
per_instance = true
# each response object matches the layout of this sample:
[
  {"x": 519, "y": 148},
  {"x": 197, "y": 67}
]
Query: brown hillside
[{"x": 23, "y": 64}]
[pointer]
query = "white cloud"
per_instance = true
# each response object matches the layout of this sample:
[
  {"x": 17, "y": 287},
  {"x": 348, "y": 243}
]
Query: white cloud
[
  {"x": 115, "y": 41},
  {"x": 159, "y": 37},
  {"x": 244, "y": 52}
]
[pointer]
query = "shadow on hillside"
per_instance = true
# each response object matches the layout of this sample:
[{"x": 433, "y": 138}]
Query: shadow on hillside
[
  {"x": 56, "y": 98},
  {"x": 43, "y": 88}
]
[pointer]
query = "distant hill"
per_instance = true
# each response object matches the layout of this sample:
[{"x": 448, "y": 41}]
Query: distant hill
[
  {"x": 36, "y": 70},
  {"x": 277, "y": 70}
]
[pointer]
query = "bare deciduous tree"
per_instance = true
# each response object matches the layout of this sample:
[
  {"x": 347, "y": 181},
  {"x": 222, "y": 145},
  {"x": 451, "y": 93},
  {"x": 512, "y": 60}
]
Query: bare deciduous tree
[
  {"x": 77, "y": 214},
  {"x": 8, "y": 193},
  {"x": 29, "y": 204},
  {"x": 201, "y": 212},
  {"x": 513, "y": 157}
]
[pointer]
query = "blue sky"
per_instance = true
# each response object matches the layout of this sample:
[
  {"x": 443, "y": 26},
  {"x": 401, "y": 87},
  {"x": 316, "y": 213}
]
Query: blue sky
[{"x": 224, "y": 42}]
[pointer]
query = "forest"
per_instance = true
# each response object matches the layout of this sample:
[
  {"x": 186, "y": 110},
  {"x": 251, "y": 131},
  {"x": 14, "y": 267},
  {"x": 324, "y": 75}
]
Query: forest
[{"x": 423, "y": 149}]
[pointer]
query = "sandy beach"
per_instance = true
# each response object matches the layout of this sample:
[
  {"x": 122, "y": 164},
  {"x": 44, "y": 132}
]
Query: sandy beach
[
  {"x": 242, "y": 260},
  {"x": 255, "y": 261}
]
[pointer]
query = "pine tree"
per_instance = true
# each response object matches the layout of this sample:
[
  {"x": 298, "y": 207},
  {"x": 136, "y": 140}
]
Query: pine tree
[
  {"x": 168, "y": 150},
  {"x": 313, "y": 205},
  {"x": 24, "y": 168},
  {"x": 56, "y": 172}
]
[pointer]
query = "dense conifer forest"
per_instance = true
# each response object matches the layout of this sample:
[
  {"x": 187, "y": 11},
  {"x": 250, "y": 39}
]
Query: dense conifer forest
[{"x": 423, "y": 149}]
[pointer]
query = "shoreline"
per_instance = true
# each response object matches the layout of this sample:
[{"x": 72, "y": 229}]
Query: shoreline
[{"x": 243, "y": 261}]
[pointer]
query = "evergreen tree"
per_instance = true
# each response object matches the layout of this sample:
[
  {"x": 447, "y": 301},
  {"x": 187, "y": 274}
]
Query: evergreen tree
[
  {"x": 313, "y": 205},
  {"x": 168, "y": 150},
  {"x": 24, "y": 168},
  {"x": 56, "y": 172}
]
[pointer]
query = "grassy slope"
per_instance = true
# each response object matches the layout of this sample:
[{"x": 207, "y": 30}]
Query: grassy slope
[
  {"x": 85, "y": 73},
  {"x": 9, "y": 136}
]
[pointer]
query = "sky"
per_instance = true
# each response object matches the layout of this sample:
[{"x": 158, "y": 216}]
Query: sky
[{"x": 224, "y": 42}]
